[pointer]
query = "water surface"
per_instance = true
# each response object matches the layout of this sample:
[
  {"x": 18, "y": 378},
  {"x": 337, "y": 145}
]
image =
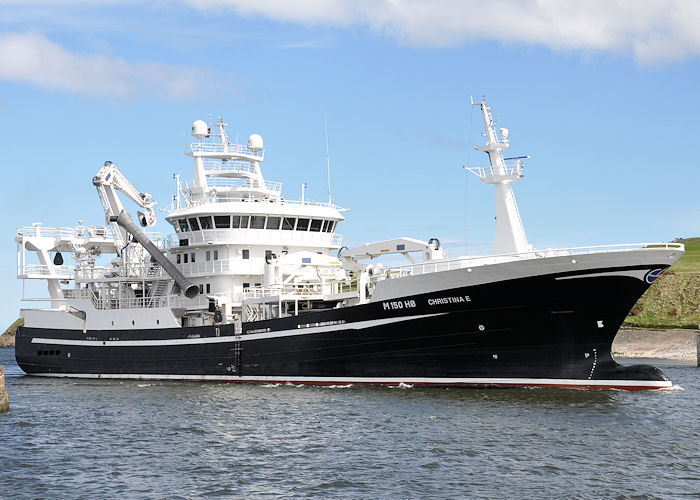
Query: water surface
[{"x": 101, "y": 439}]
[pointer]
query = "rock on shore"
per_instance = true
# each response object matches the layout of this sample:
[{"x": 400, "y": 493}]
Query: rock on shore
[
  {"x": 4, "y": 396},
  {"x": 7, "y": 340}
]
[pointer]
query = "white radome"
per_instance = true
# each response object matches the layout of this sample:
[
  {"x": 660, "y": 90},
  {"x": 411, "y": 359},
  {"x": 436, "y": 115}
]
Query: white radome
[
  {"x": 200, "y": 129},
  {"x": 255, "y": 142},
  {"x": 504, "y": 132}
]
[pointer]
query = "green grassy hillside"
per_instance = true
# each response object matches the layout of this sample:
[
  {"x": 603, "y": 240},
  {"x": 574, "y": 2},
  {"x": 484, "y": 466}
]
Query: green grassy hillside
[{"x": 673, "y": 301}]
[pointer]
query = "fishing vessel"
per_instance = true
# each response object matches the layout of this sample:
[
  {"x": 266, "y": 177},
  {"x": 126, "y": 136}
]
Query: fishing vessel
[{"x": 254, "y": 287}]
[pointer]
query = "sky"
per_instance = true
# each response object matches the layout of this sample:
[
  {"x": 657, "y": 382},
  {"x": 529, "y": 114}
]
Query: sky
[{"x": 601, "y": 94}]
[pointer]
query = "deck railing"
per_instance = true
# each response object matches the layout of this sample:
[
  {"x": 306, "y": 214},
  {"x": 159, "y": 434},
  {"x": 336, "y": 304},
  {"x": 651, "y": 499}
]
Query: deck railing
[{"x": 466, "y": 262}]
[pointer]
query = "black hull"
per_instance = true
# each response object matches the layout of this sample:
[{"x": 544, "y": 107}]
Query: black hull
[{"x": 549, "y": 330}]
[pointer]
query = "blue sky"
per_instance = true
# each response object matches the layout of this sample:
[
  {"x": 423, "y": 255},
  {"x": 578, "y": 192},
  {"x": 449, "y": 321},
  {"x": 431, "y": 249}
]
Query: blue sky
[{"x": 602, "y": 95}]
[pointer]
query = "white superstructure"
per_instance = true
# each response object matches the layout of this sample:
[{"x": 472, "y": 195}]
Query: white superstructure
[
  {"x": 250, "y": 253},
  {"x": 234, "y": 233}
]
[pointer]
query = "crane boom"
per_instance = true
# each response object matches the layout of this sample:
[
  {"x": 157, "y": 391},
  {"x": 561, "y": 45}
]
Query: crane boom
[{"x": 108, "y": 181}]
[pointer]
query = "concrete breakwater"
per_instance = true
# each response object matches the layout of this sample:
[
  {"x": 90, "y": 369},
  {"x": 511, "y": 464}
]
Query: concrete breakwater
[
  {"x": 680, "y": 345},
  {"x": 4, "y": 396}
]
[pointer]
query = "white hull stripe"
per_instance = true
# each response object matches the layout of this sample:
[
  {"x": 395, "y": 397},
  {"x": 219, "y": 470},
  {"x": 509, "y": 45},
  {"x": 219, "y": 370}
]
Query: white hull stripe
[
  {"x": 634, "y": 273},
  {"x": 537, "y": 382},
  {"x": 359, "y": 325}
]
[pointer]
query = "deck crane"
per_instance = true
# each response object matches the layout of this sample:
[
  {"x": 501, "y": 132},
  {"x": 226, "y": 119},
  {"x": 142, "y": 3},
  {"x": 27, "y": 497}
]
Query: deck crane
[{"x": 108, "y": 181}]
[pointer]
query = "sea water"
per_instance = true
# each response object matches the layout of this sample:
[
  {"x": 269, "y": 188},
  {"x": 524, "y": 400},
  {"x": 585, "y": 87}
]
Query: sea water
[{"x": 70, "y": 438}]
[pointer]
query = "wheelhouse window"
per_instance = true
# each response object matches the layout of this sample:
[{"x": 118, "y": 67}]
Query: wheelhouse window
[
  {"x": 257, "y": 222},
  {"x": 302, "y": 224},
  {"x": 330, "y": 226},
  {"x": 273, "y": 222},
  {"x": 193, "y": 223},
  {"x": 222, "y": 221},
  {"x": 315, "y": 225},
  {"x": 183, "y": 225},
  {"x": 205, "y": 222},
  {"x": 288, "y": 223},
  {"x": 244, "y": 221}
]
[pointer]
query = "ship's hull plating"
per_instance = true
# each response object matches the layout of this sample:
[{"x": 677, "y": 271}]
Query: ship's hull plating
[{"x": 548, "y": 330}]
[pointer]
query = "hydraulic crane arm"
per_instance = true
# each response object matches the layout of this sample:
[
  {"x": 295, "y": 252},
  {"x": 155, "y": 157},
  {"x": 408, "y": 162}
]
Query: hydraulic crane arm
[{"x": 108, "y": 181}]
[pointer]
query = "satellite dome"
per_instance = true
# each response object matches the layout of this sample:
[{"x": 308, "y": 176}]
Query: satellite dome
[
  {"x": 255, "y": 142},
  {"x": 200, "y": 129}
]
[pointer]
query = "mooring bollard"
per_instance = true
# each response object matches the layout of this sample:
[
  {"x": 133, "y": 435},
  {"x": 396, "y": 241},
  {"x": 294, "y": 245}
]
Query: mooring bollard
[{"x": 4, "y": 396}]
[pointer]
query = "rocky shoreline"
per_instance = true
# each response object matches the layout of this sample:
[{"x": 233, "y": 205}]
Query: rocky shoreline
[
  {"x": 677, "y": 345},
  {"x": 7, "y": 340}
]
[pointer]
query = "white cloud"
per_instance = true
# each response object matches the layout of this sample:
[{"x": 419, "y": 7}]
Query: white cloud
[
  {"x": 652, "y": 31},
  {"x": 33, "y": 58}
]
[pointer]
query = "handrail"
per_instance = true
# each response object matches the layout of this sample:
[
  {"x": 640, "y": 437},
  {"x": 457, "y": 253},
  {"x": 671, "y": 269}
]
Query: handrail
[
  {"x": 237, "y": 166},
  {"x": 461, "y": 262},
  {"x": 243, "y": 183},
  {"x": 77, "y": 232},
  {"x": 217, "y": 147}
]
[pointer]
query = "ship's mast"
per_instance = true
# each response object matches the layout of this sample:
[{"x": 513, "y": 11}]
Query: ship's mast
[{"x": 510, "y": 234}]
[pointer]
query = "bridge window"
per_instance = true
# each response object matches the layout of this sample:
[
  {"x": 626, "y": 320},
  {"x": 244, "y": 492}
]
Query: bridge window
[
  {"x": 183, "y": 225},
  {"x": 194, "y": 225},
  {"x": 222, "y": 221},
  {"x": 288, "y": 223},
  {"x": 331, "y": 226},
  {"x": 206, "y": 222},
  {"x": 257, "y": 222},
  {"x": 273, "y": 222},
  {"x": 216, "y": 255},
  {"x": 245, "y": 253},
  {"x": 302, "y": 224},
  {"x": 315, "y": 225},
  {"x": 244, "y": 221}
]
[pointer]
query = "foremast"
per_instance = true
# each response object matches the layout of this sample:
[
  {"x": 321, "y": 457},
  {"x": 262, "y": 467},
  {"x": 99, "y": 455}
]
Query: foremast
[{"x": 510, "y": 234}]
